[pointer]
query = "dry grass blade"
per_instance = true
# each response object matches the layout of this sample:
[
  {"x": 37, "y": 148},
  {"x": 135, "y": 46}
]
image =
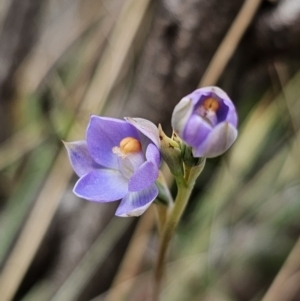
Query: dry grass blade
[
  {"x": 286, "y": 283},
  {"x": 133, "y": 257},
  {"x": 35, "y": 228},
  {"x": 35, "y": 167},
  {"x": 51, "y": 46},
  {"x": 229, "y": 43},
  {"x": 4, "y": 5},
  {"x": 19, "y": 144},
  {"x": 50, "y": 195},
  {"x": 95, "y": 256},
  {"x": 117, "y": 51}
]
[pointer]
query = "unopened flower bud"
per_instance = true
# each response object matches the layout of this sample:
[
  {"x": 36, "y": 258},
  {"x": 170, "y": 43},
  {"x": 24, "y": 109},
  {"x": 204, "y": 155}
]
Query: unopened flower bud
[
  {"x": 206, "y": 120},
  {"x": 171, "y": 153}
]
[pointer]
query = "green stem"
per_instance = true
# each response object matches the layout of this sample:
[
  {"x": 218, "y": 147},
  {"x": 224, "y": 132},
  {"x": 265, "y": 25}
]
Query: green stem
[{"x": 183, "y": 194}]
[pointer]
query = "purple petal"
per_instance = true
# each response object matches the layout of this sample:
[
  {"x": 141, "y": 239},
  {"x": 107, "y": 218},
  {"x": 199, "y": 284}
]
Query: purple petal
[
  {"x": 232, "y": 115},
  {"x": 217, "y": 142},
  {"x": 227, "y": 109},
  {"x": 80, "y": 158},
  {"x": 196, "y": 131},
  {"x": 135, "y": 203},
  {"x": 144, "y": 177},
  {"x": 153, "y": 154},
  {"x": 225, "y": 101},
  {"x": 146, "y": 127},
  {"x": 199, "y": 95},
  {"x": 103, "y": 134},
  {"x": 212, "y": 91},
  {"x": 102, "y": 185},
  {"x": 222, "y": 112}
]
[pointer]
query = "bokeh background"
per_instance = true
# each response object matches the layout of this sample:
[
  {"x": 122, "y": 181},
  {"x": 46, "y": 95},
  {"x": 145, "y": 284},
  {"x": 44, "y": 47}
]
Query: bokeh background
[{"x": 62, "y": 60}]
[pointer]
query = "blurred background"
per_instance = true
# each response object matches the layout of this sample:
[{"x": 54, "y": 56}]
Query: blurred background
[{"x": 61, "y": 61}]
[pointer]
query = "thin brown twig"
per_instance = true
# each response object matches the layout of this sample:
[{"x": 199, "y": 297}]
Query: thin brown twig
[{"x": 229, "y": 43}]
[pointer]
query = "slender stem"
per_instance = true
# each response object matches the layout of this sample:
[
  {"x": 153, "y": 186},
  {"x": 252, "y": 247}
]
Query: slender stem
[
  {"x": 164, "y": 192},
  {"x": 161, "y": 217},
  {"x": 184, "y": 192}
]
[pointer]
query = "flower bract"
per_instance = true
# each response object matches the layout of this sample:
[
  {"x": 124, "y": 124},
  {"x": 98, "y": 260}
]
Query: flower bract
[
  {"x": 206, "y": 120},
  {"x": 118, "y": 160}
]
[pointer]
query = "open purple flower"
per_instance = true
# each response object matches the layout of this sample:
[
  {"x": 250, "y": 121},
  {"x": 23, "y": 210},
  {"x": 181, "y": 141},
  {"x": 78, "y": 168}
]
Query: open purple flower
[
  {"x": 206, "y": 120},
  {"x": 118, "y": 160}
]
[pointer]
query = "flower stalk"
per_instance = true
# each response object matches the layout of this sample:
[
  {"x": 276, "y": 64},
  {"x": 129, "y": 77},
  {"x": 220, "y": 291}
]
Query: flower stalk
[{"x": 185, "y": 187}]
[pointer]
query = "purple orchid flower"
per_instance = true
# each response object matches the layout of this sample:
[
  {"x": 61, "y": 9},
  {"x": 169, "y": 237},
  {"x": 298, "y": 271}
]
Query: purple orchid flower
[
  {"x": 118, "y": 160},
  {"x": 206, "y": 120}
]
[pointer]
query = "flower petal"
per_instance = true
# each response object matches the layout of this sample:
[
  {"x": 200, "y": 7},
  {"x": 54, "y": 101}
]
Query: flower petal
[
  {"x": 181, "y": 115},
  {"x": 153, "y": 154},
  {"x": 146, "y": 127},
  {"x": 232, "y": 115},
  {"x": 144, "y": 177},
  {"x": 102, "y": 185},
  {"x": 196, "y": 131},
  {"x": 212, "y": 91},
  {"x": 136, "y": 159},
  {"x": 224, "y": 98},
  {"x": 80, "y": 158},
  {"x": 217, "y": 142},
  {"x": 125, "y": 167},
  {"x": 227, "y": 107},
  {"x": 103, "y": 134},
  {"x": 222, "y": 112},
  {"x": 131, "y": 163},
  {"x": 135, "y": 203}
]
